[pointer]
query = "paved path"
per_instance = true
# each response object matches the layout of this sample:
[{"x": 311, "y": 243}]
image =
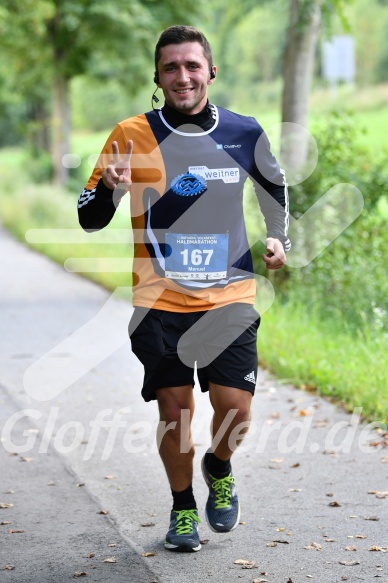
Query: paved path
[{"x": 70, "y": 408}]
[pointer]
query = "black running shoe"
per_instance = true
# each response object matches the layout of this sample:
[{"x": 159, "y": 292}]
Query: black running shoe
[
  {"x": 222, "y": 507},
  {"x": 183, "y": 534}
]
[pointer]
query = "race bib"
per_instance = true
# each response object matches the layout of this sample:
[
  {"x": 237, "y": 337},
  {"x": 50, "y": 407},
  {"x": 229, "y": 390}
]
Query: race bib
[{"x": 196, "y": 257}]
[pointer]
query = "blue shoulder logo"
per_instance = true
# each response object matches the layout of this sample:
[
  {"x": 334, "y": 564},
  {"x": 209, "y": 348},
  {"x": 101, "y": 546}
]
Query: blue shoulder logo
[{"x": 188, "y": 184}]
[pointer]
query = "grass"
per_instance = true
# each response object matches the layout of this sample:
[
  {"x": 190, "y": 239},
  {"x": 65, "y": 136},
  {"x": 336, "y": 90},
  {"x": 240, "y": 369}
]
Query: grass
[{"x": 315, "y": 355}]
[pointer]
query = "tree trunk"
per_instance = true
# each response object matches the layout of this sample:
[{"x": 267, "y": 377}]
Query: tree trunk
[
  {"x": 298, "y": 62},
  {"x": 60, "y": 128},
  {"x": 39, "y": 127}
]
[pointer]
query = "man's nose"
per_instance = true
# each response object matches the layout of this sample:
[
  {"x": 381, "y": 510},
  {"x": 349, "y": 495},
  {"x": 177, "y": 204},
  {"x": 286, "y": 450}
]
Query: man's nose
[{"x": 183, "y": 76}]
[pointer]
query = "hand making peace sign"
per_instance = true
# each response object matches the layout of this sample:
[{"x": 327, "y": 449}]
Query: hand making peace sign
[{"x": 119, "y": 172}]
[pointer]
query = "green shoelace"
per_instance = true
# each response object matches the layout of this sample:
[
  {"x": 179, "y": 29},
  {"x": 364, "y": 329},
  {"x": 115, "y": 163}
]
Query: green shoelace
[
  {"x": 222, "y": 490},
  {"x": 184, "y": 520}
]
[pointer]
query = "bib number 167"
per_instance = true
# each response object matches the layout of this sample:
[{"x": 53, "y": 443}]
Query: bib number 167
[{"x": 197, "y": 256}]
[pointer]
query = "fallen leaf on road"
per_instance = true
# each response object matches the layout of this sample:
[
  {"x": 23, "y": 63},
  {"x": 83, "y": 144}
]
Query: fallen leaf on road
[
  {"x": 112, "y": 545},
  {"x": 314, "y": 547},
  {"x": 259, "y": 580},
  {"x": 245, "y": 564},
  {"x": 104, "y": 512},
  {"x": 204, "y": 541},
  {"x": 5, "y": 505},
  {"x": 26, "y": 459},
  {"x": 375, "y": 518},
  {"x": 283, "y": 542},
  {"x": 350, "y": 548},
  {"x": 349, "y": 563},
  {"x": 80, "y": 574},
  {"x": 334, "y": 504},
  {"x": 149, "y": 554},
  {"x": 382, "y": 549},
  {"x": 8, "y": 567},
  {"x": 148, "y": 524},
  {"x": 272, "y": 544},
  {"x": 3, "y": 522},
  {"x": 15, "y": 531},
  {"x": 361, "y": 536},
  {"x": 382, "y": 495},
  {"x": 110, "y": 560},
  {"x": 295, "y": 489},
  {"x": 90, "y": 555},
  {"x": 110, "y": 477},
  {"x": 295, "y": 465}
]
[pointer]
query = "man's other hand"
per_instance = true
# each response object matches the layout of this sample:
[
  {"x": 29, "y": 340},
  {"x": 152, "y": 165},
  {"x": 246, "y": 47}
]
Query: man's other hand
[{"x": 275, "y": 257}]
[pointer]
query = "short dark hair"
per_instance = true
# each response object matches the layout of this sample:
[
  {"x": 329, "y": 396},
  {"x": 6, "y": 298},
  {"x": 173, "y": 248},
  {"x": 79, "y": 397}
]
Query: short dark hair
[{"x": 178, "y": 34}]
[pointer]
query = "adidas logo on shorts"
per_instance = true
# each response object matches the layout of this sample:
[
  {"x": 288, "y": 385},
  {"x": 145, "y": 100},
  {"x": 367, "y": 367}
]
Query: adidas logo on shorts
[{"x": 250, "y": 377}]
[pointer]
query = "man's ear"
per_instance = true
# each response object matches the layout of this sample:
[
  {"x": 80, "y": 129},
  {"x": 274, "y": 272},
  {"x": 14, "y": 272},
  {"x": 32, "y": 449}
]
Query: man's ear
[{"x": 213, "y": 74}]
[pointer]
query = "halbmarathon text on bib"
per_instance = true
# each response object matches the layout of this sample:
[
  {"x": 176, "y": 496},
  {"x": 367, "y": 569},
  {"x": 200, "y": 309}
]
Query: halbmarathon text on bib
[{"x": 196, "y": 257}]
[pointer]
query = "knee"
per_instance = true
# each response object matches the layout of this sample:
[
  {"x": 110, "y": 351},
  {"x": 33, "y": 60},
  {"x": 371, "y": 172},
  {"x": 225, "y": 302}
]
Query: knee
[
  {"x": 240, "y": 407},
  {"x": 173, "y": 409},
  {"x": 172, "y": 413},
  {"x": 243, "y": 411}
]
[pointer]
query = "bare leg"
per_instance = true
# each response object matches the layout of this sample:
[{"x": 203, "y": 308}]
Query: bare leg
[
  {"x": 176, "y": 408},
  {"x": 231, "y": 412}
]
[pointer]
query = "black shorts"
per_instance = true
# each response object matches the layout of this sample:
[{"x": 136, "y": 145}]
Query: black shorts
[{"x": 221, "y": 342}]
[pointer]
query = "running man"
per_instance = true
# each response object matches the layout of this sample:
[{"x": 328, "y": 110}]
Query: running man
[{"x": 193, "y": 280}]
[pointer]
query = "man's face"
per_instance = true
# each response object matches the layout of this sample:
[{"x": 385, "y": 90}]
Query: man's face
[{"x": 184, "y": 77}]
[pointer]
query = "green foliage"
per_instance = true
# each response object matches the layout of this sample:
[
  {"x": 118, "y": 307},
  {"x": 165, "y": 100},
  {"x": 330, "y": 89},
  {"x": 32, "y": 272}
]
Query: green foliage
[
  {"x": 111, "y": 103},
  {"x": 341, "y": 159},
  {"x": 247, "y": 48},
  {"x": 369, "y": 21},
  {"x": 38, "y": 165},
  {"x": 46, "y": 39},
  {"x": 66, "y": 34},
  {"x": 346, "y": 281},
  {"x": 381, "y": 71},
  {"x": 333, "y": 10}
]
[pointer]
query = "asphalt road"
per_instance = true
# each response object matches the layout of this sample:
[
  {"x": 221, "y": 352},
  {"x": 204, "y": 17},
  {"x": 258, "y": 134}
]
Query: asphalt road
[{"x": 81, "y": 480}]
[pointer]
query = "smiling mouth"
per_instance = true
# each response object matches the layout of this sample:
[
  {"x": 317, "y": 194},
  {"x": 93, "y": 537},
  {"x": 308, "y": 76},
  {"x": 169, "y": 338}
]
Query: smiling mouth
[{"x": 182, "y": 91}]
